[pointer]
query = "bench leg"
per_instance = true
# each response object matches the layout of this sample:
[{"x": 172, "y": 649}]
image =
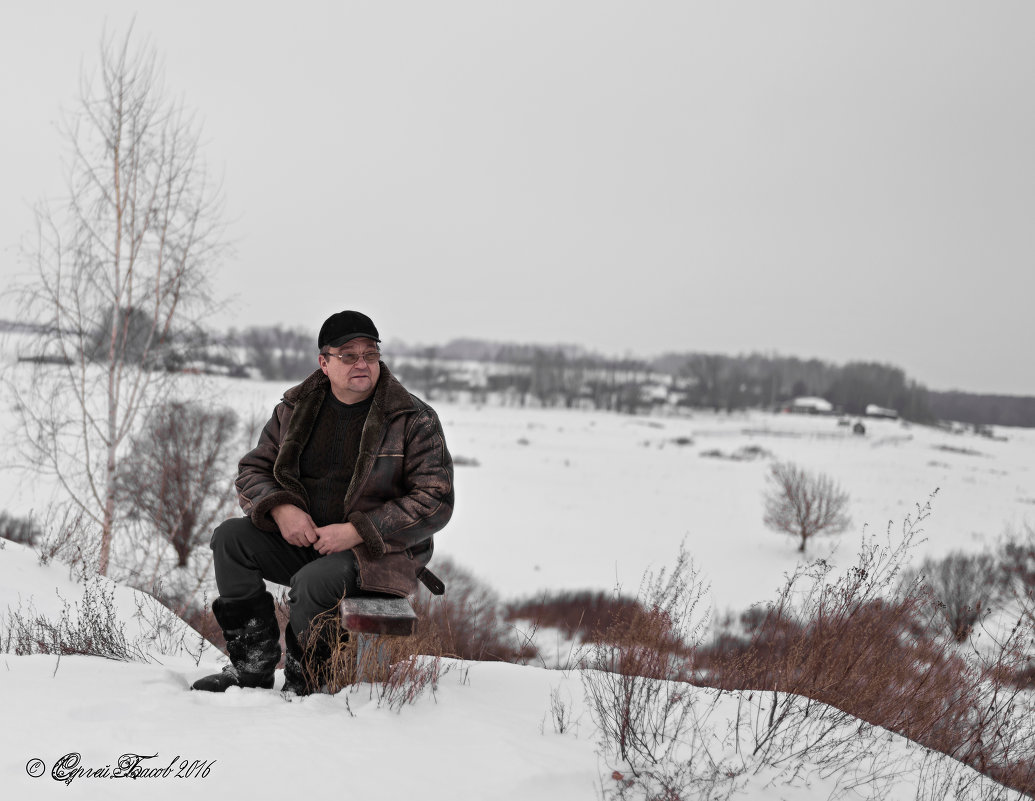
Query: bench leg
[{"x": 373, "y": 657}]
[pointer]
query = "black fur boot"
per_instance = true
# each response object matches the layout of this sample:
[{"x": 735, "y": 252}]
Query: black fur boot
[
  {"x": 306, "y": 670},
  {"x": 252, "y": 642}
]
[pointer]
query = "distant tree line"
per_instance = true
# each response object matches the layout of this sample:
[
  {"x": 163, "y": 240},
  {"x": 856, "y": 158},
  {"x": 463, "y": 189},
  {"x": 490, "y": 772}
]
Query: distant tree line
[
  {"x": 716, "y": 381},
  {"x": 278, "y": 353},
  {"x": 566, "y": 374},
  {"x": 993, "y": 410},
  {"x": 731, "y": 383}
]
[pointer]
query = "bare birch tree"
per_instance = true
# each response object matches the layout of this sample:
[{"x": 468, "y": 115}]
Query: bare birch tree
[{"x": 118, "y": 274}]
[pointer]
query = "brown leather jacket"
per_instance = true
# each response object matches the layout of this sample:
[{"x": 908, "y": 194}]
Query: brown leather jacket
[{"x": 400, "y": 494}]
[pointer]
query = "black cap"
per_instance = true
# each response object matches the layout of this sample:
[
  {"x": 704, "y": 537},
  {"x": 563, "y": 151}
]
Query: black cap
[{"x": 345, "y": 326}]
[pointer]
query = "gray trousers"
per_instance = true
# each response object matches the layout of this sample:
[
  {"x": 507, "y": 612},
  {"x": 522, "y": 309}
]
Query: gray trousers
[{"x": 244, "y": 556}]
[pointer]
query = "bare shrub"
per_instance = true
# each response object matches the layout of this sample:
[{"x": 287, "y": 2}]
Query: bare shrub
[
  {"x": 833, "y": 639},
  {"x": 90, "y": 627},
  {"x": 66, "y": 538},
  {"x": 1017, "y": 568},
  {"x": 278, "y": 353},
  {"x": 586, "y": 614},
  {"x": 560, "y": 711},
  {"x": 200, "y": 618},
  {"x": 176, "y": 477},
  {"x": 649, "y": 718},
  {"x": 468, "y": 620},
  {"x": 633, "y": 684},
  {"x": 803, "y": 505},
  {"x": 19, "y": 529},
  {"x": 857, "y": 645},
  {"x": 162, "y": 628},
  {"x": 963, "y": 588},
  {"x": 1003, "y": 743},
  {"x": 745, "y": 454}
]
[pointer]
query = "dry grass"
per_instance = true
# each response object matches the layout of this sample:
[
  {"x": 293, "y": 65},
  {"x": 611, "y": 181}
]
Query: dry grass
[
  {"x": 864, "y": 644},
  {"x": 857, "y": 645},
  {"x": 90, "y": 626},
  {"x": 204, "y": 623},
  {"x": 467, "y": 622},
  {"x": 586, "y": 615},
  {"x": 395, "y": 670},
  {"x": 464, "y": 624},
  {"x": 638, "y": 696}
]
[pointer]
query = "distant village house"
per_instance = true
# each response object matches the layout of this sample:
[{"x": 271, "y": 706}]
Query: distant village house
[
  {"x": 809, "y": 406},
  {"x": 873, "y": 410}
]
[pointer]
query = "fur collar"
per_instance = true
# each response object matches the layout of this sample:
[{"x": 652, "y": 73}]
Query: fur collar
[{"x": 389, "y": 395}]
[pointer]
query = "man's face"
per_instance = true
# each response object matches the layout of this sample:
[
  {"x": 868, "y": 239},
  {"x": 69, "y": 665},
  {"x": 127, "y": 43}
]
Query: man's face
[{"x": 352, "y": 383}]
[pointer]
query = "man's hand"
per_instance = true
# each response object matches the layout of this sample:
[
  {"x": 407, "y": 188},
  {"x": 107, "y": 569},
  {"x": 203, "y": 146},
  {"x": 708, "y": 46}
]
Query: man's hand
[
  {"x": 296, "y": 527},
  {"x": 337, "y": 537}
]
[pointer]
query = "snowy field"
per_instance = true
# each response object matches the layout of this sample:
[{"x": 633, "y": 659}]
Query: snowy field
[
  {"x": 546, "y": 500},
  {"x": 574, "y": 499},
  {"x": 565, "y": 499}
]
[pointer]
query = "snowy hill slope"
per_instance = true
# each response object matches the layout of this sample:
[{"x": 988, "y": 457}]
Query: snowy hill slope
[
  {"x": 487, "y": 731},
  {"x": 34, "y": 589}
]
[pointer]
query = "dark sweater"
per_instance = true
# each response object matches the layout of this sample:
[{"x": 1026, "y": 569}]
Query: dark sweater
[{"x": 329, "y": 458}]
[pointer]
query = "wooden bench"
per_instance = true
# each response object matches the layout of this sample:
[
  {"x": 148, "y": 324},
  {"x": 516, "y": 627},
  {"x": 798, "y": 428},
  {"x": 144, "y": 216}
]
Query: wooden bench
[{"x": 370, "y": 620}]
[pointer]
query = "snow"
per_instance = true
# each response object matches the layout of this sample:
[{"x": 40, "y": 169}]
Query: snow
[
  {"x": 549, "y": 499},
  {"x": 593, "y": 500},
  {"x": 478, "y": 739},
  {"x": 486, "y": 731}
]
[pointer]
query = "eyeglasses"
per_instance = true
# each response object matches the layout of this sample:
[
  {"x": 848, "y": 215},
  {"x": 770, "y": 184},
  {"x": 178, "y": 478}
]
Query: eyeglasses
[{"x": 370, "y": 357}]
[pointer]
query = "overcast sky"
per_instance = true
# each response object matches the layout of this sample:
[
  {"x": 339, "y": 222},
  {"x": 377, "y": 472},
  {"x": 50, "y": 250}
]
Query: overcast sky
[{"x": 844, "y": 180}]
